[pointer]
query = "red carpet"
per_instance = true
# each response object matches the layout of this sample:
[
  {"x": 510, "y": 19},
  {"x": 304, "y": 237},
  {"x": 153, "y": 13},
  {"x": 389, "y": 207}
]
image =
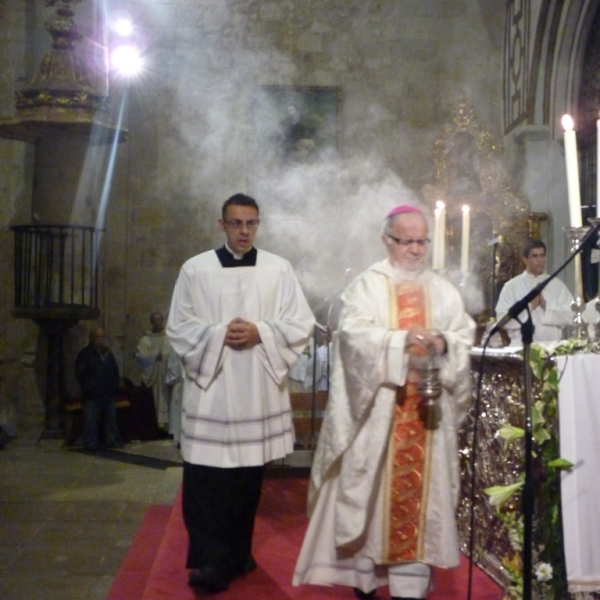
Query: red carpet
[{"x": 279, "y": 531}]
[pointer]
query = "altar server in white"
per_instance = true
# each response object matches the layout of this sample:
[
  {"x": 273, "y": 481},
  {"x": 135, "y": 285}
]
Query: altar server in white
[
  {"x": 385, "y": 478},
  {"x": 550, "y": 310},
  {"x": 239, "y": 321},
  {"x": 152, "y": 353}
]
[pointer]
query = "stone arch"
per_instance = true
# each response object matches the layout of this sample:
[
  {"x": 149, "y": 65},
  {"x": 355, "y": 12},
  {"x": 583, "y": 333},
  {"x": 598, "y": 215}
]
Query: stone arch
[{"x": 561, "y": 32}]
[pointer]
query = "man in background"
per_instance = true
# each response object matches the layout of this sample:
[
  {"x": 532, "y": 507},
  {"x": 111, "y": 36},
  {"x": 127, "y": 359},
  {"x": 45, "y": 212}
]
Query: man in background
[
  {"x": 97, "y": 373},
  {"x": 324, "y": 359},
  {"x": 174, "y": 382},
  {"x": 550, "y": 310},
  {"x": 239, "y": 321},
  {"x": 152, "y": 357},
  {"x": 306, "y": 371},
  {"x": 385, "y": 477}
]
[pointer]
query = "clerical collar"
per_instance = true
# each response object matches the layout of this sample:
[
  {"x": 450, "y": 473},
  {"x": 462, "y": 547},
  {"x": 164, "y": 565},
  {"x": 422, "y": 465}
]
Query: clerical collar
[
  {"x": 228, "y": 259},
  {"x": 234, "y": 254}
]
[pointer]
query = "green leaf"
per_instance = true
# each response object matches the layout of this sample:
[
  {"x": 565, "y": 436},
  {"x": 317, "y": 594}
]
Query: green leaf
[
  {"x": 509, "y": 433},
  {"x": 560, "y": 463},
  {"x": 541, "y": 435},
  {"x": 499, "y": 494}
]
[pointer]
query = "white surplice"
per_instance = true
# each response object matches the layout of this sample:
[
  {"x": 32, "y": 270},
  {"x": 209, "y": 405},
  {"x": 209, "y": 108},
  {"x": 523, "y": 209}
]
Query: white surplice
[
  {"x": 154, "y": 371},
  {"x": 548, "y": 322},
  {"x": 236, "y": 406},
  {"x": 343, "y": 543}
]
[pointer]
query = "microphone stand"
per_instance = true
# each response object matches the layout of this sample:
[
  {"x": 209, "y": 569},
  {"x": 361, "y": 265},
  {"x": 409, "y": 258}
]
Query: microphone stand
[{"x": 527, "y": 329}]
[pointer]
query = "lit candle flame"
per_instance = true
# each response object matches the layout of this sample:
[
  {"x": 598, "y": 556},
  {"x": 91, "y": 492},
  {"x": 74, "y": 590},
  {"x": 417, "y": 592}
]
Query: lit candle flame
[{"x": 567, "y": 123}]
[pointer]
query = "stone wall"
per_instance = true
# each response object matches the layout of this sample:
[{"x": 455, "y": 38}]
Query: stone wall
[{"x": 20, "y": 402}]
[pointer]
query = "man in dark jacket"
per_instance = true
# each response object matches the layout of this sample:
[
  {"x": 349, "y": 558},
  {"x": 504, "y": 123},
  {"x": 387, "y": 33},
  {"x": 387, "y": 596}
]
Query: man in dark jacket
[{"x": 97, "y": 373}]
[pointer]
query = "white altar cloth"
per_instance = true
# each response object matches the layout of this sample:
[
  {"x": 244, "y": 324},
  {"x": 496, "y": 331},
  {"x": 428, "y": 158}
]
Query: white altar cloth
[{"x": 579, "y": 427}]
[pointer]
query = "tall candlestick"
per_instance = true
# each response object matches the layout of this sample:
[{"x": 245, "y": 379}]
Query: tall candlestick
[
  {"x": 464, "y": 248},
  {"x": 572, "y": 171},
  {"x": 578, "y": 278}
]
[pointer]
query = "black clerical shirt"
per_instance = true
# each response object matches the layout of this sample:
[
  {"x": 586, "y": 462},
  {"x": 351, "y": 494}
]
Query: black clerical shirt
[{"x": 228, "y": 260}]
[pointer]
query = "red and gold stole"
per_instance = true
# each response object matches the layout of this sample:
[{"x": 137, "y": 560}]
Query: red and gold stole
[{"x": 406, "y": 473}]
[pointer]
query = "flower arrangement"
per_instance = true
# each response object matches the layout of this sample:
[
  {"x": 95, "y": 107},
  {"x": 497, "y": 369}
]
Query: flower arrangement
[{"x": 549, "y": 574}]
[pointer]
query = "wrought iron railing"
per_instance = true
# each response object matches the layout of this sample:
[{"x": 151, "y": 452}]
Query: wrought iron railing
[{"x": 56, "y": 266}]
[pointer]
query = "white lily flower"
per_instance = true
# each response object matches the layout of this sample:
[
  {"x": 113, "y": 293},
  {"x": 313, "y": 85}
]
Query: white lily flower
[{"x": 543, "y": 572}]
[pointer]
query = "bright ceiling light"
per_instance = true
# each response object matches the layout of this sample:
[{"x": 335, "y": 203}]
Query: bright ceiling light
[
  {"x": 126, "y": 59},
  {"x": 123, "y": 27}
]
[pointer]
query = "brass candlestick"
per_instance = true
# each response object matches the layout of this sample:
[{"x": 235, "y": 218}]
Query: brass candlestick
[{"x": 578, "y": 329}]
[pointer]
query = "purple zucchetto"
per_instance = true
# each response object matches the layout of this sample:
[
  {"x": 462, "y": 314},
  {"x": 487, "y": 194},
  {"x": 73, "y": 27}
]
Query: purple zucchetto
[{"x": 403, "y": 208}]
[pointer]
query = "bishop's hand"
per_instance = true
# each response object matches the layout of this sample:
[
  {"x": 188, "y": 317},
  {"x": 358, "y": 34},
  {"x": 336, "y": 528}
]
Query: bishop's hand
[{"x": 422, "y": 341}]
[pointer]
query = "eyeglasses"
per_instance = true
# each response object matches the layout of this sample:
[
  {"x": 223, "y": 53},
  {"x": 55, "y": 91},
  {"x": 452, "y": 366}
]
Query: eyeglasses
[
  {"x": 407, "y": 242},
  {"x": 237, "y": 224}
]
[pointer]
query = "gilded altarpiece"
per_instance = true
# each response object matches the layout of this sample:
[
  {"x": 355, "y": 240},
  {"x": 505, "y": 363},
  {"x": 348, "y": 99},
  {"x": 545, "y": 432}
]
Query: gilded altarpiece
[{"x": 470, "y": 170}]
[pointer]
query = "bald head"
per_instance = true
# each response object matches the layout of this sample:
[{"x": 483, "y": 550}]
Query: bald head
[
  {"x": 157, "y": 322},
  {"x": 97, "y": 337}
]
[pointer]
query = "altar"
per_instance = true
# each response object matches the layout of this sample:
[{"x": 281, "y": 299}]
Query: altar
[{"x": 500, "y": 463}]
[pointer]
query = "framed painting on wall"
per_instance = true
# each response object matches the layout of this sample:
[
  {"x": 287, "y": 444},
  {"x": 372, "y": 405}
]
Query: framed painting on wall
[{"x": 296, "y": 124}]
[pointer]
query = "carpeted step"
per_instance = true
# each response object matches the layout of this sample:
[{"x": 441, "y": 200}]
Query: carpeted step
[
  {"x": 131, "y": 580},
  {"x": 279, "y": 530}
]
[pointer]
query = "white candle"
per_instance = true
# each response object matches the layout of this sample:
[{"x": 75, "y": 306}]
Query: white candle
[
  {"x": 442, "y": 235},
  {"x": 464, "y": 248},
  {"x": 598, "y": 168},
  {"x": 435, "y": 257},
  {"x": 572, "y": 171}
]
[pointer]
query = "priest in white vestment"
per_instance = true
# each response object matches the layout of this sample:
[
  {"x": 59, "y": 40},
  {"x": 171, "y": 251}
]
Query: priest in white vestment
[
  {"x": 550, "y": 310},
  {"x": 385, "y": 478},
  {"x": 239, "y": 321},
  {"x": 152, "y": 354}
]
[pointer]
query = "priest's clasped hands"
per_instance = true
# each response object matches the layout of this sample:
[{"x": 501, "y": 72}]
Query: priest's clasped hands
[
  {"x": 241, "y": 334},
  {"x": 539, "y": 300}
]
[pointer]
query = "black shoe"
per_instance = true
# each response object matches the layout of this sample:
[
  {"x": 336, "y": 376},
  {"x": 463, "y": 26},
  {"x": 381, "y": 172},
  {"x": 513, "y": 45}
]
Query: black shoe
[
  {"x": 116, "y": 445},
  {"x": 249, "y": 566},
  {"x": 364, "y": 595},
  {"x": 209, "y": 580},
  {"x": 91, "y": 448}
]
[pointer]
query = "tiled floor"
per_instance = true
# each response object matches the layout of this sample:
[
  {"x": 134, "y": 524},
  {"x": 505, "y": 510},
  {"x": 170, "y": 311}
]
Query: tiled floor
[{"x": 67, "y": 518}]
